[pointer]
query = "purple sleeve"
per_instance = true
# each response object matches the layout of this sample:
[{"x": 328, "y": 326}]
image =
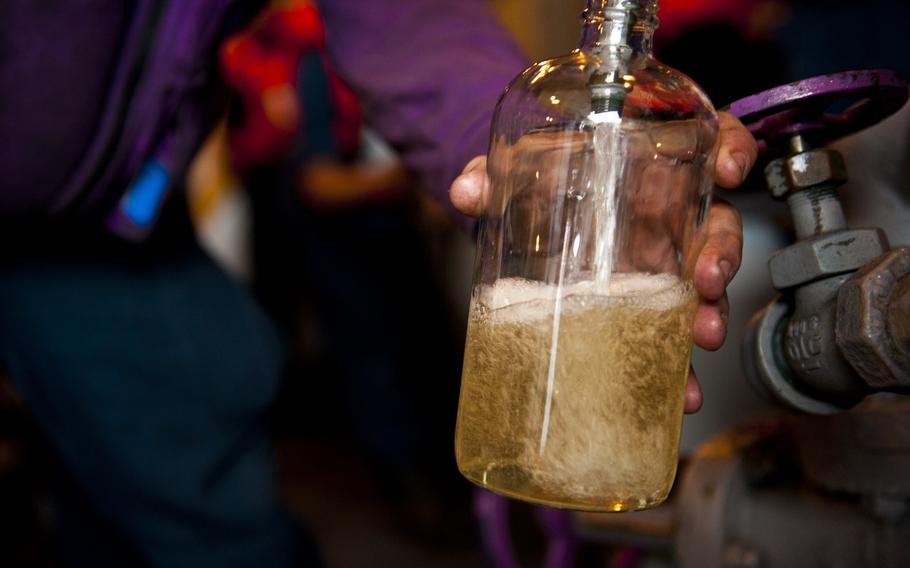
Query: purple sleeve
[{"x": 428, "y": 74}]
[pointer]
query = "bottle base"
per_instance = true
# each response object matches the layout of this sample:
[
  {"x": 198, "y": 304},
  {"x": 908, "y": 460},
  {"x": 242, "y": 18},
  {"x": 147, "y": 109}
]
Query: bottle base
[{"x": 517, "y": 483}]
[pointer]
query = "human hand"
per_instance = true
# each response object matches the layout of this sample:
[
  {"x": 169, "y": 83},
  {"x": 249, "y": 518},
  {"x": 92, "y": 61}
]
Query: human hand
[{"x": 719, "y": 258}]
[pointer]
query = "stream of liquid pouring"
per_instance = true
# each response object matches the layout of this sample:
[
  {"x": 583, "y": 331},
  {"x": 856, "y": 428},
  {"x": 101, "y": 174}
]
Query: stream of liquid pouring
[{"x": 606, "y": 179}]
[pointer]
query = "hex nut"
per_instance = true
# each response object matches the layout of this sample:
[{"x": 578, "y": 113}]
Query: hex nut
[
  {"x": 825, "y": 255},
  {"x": 864, "y": 306},
  {"x": 805, "y": 171}
]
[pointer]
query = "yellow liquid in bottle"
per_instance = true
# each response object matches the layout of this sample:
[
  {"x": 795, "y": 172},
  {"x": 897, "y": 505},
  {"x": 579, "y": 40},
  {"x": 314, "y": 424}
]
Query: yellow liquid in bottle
[{"x": 595, "y": 426}]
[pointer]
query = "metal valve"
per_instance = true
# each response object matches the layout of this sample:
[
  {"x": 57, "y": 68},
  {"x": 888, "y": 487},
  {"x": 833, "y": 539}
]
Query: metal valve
[{"x": 840, "y": 329}]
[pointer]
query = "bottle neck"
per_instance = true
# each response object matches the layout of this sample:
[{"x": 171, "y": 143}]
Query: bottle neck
[{"x": 619, "y": 27}]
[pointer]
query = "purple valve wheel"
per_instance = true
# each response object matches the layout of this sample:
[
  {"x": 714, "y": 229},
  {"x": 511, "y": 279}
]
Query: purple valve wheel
[{"x": 821, "y": 109}]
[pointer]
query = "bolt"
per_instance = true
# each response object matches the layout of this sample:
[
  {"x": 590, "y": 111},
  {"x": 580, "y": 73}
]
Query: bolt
[
  {"x": 799, "y": 144},
  {"x": 815, "y": 211}
]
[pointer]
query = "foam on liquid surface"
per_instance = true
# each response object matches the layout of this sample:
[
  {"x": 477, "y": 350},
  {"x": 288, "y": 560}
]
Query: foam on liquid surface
[{"x": 517, "y": 299}]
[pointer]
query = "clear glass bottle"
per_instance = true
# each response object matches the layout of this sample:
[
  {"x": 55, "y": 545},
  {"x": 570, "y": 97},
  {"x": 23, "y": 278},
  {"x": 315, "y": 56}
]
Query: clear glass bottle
[{"x": 580, "y": 331}]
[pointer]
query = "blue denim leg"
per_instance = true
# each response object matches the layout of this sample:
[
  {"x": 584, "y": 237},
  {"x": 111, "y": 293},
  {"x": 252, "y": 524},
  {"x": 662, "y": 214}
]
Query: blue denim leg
[{"x": 150, "y": 379}]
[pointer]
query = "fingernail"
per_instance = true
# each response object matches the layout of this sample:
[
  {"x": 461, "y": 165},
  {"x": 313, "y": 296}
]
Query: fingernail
[
  {"x": 742, "y": 162},
  {"x": 726, "y": 269}
]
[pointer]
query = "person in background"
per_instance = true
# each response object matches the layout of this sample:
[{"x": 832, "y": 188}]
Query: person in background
[
  {"x": 328, "y": 207},
  {"x": 146, "y": 367}
]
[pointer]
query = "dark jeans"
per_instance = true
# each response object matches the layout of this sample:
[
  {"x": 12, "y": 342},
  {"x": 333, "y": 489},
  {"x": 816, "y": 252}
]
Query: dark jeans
[{"x": 149, "y": 371}]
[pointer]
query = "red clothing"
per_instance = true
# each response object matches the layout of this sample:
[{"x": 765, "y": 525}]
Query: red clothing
[
  {"x": 676, "y": 16},
  {"x": 267, "y": 57}
]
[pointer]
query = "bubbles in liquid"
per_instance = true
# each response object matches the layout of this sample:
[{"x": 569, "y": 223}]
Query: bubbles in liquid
[{"x": 594, "y": 425}]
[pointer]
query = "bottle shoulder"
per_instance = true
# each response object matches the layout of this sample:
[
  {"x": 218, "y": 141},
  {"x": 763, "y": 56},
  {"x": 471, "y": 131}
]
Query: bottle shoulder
[
  {"x": 663, "y": 89},
  {"x": 561, "y": 85}
]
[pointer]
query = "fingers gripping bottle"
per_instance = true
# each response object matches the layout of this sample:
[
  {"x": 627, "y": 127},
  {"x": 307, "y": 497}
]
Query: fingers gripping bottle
[{"x": 580, "y": 331}]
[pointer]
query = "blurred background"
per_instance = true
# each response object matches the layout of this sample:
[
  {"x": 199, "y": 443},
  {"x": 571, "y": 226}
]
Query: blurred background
[{"x": 369, "y": 279}]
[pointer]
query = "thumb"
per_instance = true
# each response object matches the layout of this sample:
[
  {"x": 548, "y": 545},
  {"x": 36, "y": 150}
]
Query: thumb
[{"x": 470, "y": 190}]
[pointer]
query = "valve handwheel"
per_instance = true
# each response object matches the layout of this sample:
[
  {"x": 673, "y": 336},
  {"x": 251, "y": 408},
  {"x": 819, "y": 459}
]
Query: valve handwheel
[
  {"x": 792, "y": 124},
  {"x": 821, "y": 109}
]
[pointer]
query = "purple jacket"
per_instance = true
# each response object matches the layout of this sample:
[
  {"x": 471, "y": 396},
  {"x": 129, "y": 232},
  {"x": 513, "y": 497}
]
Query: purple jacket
[{"x": 91, "y": 93}]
